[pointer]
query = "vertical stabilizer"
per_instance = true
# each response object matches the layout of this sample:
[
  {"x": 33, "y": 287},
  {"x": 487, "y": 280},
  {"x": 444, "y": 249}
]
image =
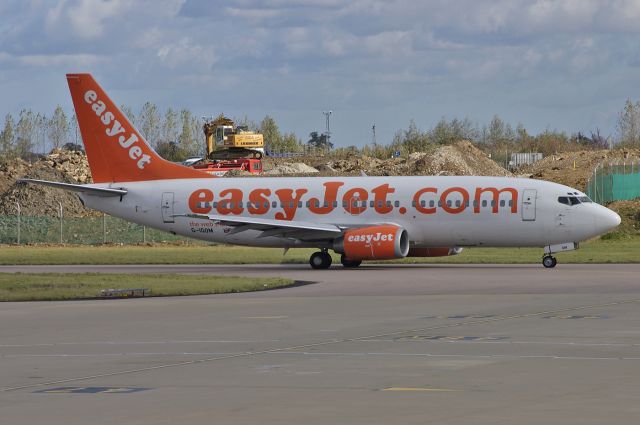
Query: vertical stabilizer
[{"x": 115, "y": 150}]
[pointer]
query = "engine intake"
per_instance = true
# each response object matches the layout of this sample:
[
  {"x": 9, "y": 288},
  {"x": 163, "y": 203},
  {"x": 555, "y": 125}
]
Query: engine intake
[{"x": 384, "y": 242}]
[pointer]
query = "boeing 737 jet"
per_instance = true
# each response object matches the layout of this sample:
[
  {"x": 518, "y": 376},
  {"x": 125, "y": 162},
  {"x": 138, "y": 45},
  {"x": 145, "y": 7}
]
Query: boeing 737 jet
[{"x": 361, "y": 218}]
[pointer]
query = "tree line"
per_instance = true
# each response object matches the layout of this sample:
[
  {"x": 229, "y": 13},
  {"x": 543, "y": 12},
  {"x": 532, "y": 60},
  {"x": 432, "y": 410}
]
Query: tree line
[{"x": 177, "y": 135}]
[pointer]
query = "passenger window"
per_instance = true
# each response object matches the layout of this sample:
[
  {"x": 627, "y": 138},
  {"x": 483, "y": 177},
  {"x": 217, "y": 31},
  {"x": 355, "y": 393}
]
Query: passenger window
[
  {"x": 371, "y": 204},
  {"x": 484, "y": 203},
  {"x": 413, "y": 203},
  {"x": 326, "y": 204},
  {"x": 388, "y": 203},
  {"x": 274, "y": 204},
  {"x": 266, "y": 204},
  {"x": 344, "y": 204},
  {"x": 300, "y": 204},
  {"x": 510, "y": 202},
  {"x": 379, "y": 204},
  {"x": 432, "y": 203},
  {"x": 396, "y": 204},
  {"x": 475, "y": 202},
  {"x": 439, "y": 203},
  {"x": 502, "y": 202},
  {"x": 316, "y": 203},
  {"x": 493, "y": 203},
  {"x": 423, "y": 203},
  {"x": 308, "y": 204},
  {"x": 335, "y": 204},
  {"x": 458, "y": 203}
]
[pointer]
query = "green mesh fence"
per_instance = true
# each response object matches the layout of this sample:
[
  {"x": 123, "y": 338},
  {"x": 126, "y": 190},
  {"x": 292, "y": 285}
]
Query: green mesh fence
[
  {"x": 614, "y": 182},
  {"x": 85, "y": 230}
]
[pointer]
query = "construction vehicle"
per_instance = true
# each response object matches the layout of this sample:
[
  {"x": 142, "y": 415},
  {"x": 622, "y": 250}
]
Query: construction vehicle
[{"x": 227, "y": 141}]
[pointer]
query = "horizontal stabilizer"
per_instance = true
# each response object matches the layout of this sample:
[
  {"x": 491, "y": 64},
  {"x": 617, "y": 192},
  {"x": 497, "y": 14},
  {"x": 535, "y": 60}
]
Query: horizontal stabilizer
[{"x": 90, "y": 190}]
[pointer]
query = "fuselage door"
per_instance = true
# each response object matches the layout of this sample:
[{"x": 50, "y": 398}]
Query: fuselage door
[
  {"x": 167, "y": 207},
  {"x": 529, "y": 205}
]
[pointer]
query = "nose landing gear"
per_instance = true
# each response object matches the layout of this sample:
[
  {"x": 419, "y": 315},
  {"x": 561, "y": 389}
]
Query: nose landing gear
[
  {"x": 320, "y": 260},
  {"x": 549, "y": 261}
]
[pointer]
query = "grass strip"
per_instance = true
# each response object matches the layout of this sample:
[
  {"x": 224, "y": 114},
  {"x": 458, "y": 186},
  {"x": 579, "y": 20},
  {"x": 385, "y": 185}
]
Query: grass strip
[
  {"x": 70, "y": 286},
  {"x": 623, "y": 250}
]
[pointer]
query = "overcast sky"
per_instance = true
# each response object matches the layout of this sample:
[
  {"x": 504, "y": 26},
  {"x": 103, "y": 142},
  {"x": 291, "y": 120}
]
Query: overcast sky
[{"x": 566, "y": 65}]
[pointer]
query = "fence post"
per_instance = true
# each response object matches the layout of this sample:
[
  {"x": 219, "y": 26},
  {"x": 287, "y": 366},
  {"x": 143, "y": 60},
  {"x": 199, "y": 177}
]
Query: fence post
[
  {"x": 60, "y": 215},
  {"x": 104, "y": 228},
  {"x": 144, "y": 234},
  {"x": 18, "y": 208}
]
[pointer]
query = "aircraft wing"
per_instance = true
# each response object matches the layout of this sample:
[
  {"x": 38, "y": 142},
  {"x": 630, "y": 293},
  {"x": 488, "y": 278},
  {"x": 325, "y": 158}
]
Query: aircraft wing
[
  {"x": 96, "y": 191},
  {"x": 301, "y": 230}
]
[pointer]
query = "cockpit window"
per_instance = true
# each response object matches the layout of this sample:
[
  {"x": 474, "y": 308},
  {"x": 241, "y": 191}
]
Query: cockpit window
[
  {"x": 585, "y": 199},
  {"x": 570, "y": 200}
]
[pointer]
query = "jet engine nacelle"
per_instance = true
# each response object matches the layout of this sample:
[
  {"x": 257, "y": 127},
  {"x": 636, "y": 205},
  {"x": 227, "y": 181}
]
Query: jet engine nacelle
[
  {"x": 434, "y": 252},
  {"x": 383, "y": 242}
]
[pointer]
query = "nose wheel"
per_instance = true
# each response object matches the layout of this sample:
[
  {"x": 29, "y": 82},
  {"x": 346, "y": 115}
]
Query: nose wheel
[
  {"x": 549, "y": 261},
  {"x": 320, "y": 260}
]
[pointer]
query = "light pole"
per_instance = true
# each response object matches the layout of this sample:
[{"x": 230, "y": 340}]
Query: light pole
[{"x": 328, "y": 132}]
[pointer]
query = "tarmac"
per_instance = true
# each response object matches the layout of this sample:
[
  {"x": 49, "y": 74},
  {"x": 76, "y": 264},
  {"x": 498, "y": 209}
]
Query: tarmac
[{"x": 400, "y": 344}]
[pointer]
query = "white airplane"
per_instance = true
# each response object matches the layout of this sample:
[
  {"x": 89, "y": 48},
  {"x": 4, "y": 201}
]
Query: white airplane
[{"x": 362, "y": 218}]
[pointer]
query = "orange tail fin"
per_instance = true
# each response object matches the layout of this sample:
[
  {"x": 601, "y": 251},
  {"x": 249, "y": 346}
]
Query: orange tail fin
[{"x": 115, "y": 150}]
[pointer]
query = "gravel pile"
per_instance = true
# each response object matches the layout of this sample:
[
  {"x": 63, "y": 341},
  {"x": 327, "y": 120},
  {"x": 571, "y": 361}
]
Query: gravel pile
[
  {"x": 574, "y": 168},
  {"x": 62, "y": 166}
]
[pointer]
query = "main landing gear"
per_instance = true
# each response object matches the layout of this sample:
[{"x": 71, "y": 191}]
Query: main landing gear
[
  {"x": 549, "y": 261},
  {"x": 320, "y": 260},
  {"x": 350, "y": 264}
]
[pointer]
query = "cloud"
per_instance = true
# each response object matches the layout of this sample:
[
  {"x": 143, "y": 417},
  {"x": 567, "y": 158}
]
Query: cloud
[{"x": 427, "y": 58}]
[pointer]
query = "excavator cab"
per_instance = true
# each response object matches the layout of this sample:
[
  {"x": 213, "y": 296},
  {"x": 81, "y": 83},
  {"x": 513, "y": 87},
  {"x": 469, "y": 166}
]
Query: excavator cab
[{"x": 225, "y": 140}]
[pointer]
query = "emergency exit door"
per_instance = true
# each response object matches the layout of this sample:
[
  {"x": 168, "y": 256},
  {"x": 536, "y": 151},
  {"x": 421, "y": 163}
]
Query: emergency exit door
[
  {"x": 167, "y": 207},
  {"x": 529, "y": 205}
]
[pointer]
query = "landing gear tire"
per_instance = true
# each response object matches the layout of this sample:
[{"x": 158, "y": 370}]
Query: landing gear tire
[
  {"x": 549, "y": 262},
  {"x": 320, "y": 260},
  {"x": 350, "y": 264}
]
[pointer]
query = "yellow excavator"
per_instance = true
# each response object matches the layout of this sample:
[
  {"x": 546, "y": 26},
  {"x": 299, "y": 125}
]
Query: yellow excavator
[{"x": 225, "y": 140}]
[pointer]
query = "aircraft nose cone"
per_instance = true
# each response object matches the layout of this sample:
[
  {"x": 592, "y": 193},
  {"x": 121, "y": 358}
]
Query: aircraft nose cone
[{"x": 607, "y": 219}]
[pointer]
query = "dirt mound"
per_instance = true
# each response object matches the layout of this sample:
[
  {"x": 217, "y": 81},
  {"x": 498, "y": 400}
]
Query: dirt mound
[
  {"x": 10, "y": 171},
  {"x": 62, "y": 166},
  {"x": 292, "y": 168},
  {"x": 629, "y": 211},
  {"x": 574, "y": 168},
  {"x": 459, "y": 159}
]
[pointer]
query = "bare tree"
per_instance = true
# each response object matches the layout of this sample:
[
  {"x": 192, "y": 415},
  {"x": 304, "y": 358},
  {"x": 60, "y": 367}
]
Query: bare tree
[
  {"x": 25, "y": 133},
  {"x": 7, "y": 136},
  {"x": 170, "y": 126},
  {"x": 628, "y": 126},
  {"x": 58, "y": 128},
  {"x": 149, "y": 121}
]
